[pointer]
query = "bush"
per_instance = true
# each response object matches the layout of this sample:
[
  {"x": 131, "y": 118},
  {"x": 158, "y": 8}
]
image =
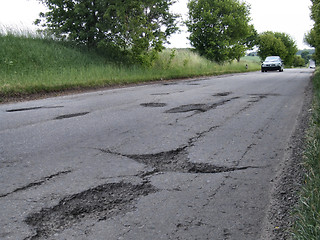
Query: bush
[{"x": 298, "y": 61}]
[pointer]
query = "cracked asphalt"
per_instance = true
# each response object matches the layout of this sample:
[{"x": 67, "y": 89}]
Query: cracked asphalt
[{"x": 210, "y": 158}]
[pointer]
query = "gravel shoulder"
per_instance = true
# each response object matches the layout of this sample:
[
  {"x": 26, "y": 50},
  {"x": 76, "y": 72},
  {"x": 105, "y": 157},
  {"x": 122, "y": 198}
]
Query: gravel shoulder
[{"x": 289, "y": 180}]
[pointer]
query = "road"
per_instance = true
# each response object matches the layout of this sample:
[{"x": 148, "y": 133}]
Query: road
[{"x": 188, "y": 159}]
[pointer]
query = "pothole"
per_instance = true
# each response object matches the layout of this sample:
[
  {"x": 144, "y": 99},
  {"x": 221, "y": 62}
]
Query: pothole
[
  {"x": 177, "y": 161},
  {"x": 159, "y": 94},
  {"x": 264, "y": 94},
  {"x": 101, "y": 203},
  {"x": 170, "y": 83},
  {"x": 222, "y": 94},
  {"x": 198, "y": 107},
  {"x": 31, "y": 108},
  {"x": 23, "y": 109},
  {"x": 153, "y": 104},
  {"x": 257, "y": 97},
  {"x": 189, "y": 108},
  {"x": 71, "y": 115}
]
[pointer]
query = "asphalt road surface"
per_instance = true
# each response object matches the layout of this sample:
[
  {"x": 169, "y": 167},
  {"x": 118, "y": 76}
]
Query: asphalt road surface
[{"x": 188, "y": 159}]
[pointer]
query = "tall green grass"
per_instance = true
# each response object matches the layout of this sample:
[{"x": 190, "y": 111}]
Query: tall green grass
[
  {"x": 307, "y": 224},
  {"x": 32, "y": 64}
]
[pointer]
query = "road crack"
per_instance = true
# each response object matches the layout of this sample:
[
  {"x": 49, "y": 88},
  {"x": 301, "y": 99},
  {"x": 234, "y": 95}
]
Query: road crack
[{"x": 36, "y": 183}]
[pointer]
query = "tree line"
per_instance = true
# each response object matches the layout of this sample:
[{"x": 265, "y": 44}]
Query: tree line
[
  {"x": 136, "y": 31},
  {"x": 313, "y": 37}
]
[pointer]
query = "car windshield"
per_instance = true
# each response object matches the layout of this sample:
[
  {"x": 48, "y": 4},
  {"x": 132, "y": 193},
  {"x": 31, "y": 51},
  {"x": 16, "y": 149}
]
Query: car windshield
[{"x": 272, "y": 59}]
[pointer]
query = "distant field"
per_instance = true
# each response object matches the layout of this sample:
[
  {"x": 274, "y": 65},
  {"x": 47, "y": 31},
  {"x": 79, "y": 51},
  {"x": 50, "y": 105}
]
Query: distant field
[
  {"x": 33, "y": 65},
  {"x": 254, "y": 59}
]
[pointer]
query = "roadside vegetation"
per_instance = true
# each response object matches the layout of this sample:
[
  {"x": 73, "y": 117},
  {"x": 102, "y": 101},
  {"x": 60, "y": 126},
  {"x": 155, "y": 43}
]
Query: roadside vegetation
[
  {"x": 307, "y": 214},
  {"x": 32, "y": 64},
  {"x": 220, "y": 30},
  {"x": 277, "y": 44},
  {"x": 313, "y": 37},
  {"x": 95, "y": 44}
]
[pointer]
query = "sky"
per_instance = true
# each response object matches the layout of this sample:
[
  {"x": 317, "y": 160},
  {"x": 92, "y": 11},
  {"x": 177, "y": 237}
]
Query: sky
[{"x": 288, "y": 16}]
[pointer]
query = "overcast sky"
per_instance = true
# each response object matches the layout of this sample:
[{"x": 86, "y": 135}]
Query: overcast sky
[{"x": 289, "y": 16}]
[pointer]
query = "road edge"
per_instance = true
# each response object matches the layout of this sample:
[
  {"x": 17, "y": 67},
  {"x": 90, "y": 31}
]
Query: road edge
[{"x": 287, "y": 184}]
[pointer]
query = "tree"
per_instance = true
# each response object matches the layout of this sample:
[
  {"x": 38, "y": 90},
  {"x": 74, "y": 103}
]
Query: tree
[
  {"x": 313, "y": 37},
  {"x": 277, "y": 44},
  {"x": 298, "y": 61},
  {"x": 136, "y": 28},
  {"x": 290, "y": 46},
  {"x": 306, "y": 56},
  {"x": 220, "y": 30},
  {"x": 269, "y": 45}
]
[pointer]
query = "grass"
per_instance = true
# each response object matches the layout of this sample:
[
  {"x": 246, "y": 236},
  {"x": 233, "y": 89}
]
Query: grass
[
  {"x": 307, "y": 224},
  {"x": 31, "y": 64}
]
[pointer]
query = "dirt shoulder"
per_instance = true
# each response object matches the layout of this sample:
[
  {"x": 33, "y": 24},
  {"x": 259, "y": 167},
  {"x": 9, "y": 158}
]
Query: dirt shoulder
[{"x": 289, "y": 180}]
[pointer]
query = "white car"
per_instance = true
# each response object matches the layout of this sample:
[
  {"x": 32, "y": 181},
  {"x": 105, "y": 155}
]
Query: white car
[
  {"x": 312, "y": 64},
  {"x": 272, "y": 63}
]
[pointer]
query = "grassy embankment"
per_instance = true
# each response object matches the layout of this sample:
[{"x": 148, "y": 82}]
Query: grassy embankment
[
  {"x": 33, "y": 65},
  {"x": 307, "y": 225}
]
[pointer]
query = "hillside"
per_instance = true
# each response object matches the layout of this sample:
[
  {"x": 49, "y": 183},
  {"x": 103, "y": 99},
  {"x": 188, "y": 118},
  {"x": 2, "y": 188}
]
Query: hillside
[
  {"x": 22, "y": 54},
  {"x": 33, "y": 66}
]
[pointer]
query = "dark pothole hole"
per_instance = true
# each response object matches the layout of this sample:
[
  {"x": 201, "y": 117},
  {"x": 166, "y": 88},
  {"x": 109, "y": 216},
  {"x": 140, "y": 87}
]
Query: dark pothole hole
[
  {"x": 222, "y": 94},
  {"x": 257, "y": 97},
  {"x": 31, "y": 108},
  {"x": 71, "y": 115},
  {"x": 198, "y": 107},
  {"x": 153, "y": 104},
  {"x": 177, "y": 161},
  {"x": 189, "y": 108},
  {"x": 159, "y": 94},
  {"x": 101, "y": 202}
]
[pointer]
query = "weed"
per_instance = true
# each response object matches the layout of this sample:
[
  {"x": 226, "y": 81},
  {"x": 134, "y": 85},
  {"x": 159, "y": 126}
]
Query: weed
[{"x": 307, "y": 214}]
